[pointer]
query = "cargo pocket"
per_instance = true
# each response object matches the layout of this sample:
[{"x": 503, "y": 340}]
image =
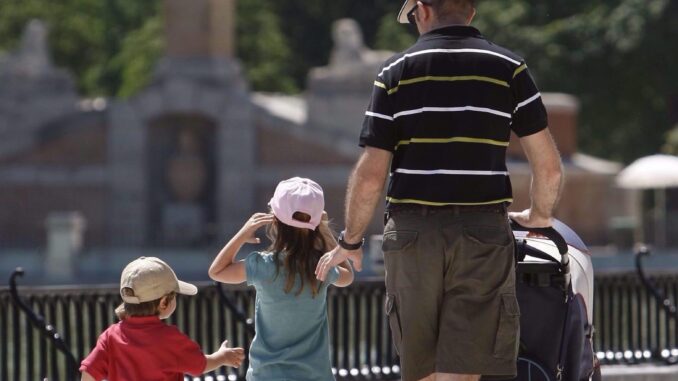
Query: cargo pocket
[
  {"x": 391, "y": 310},
  {"x": 506, "y": 341},
  {"x": 400, "y": 259}
]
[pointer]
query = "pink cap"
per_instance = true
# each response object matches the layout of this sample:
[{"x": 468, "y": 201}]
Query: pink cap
[{"x": 298, "y": 195}]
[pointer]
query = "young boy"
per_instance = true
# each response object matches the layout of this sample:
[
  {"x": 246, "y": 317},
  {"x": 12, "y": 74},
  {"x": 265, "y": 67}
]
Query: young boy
[{"x": 141, "y": 346}]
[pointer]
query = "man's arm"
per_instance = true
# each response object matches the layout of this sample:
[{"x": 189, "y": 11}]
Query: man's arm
[
  {"x": 547, "y": 179},
  {"x": 365, "y": 187}
]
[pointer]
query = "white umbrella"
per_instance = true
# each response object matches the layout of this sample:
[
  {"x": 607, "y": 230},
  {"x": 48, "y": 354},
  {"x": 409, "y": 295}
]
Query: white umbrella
[
  {"x": 650, "y": 172},
  {"x": 656, "y": 172}
]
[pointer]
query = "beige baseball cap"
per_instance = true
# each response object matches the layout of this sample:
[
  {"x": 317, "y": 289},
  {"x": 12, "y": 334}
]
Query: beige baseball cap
[{"x": 151, "y": 278}]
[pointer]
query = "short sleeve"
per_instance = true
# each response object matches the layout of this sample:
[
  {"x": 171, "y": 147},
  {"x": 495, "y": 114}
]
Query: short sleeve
[
  {"x": 529, "y": 114},
  {"x": 188, "y": 357},
  {"x": 96, "y": 363},
  {"x": 379, "y": 124},
  {"x": 254, "y": 267}
]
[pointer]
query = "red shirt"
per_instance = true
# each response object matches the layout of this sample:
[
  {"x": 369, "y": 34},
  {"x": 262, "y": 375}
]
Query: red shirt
[{"x": 144, "y": 348}]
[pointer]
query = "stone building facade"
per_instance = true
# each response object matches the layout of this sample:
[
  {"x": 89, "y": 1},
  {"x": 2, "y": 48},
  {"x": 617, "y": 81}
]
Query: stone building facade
[{"x": 184, "y": 162}]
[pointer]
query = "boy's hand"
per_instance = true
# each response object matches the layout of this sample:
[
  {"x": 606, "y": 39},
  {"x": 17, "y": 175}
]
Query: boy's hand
[
  {"x": 231, "y": 356},
  {"x": 255, "y": 222}
]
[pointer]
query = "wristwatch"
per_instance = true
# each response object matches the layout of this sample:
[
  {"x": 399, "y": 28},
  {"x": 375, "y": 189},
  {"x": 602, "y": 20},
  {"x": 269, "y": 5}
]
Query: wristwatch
[{"x": 349, "y": 246}]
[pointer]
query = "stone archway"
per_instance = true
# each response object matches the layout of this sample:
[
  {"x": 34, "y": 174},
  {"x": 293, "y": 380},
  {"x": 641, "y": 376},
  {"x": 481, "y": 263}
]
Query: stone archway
[{"x": 213, "y": 95}]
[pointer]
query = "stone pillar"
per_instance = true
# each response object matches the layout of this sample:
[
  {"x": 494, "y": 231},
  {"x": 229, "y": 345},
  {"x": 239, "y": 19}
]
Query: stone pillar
[
  {"x": 200, "y": 28},
  {"x": 65, "y": 233},
  {"x": 128, "y": 180}
]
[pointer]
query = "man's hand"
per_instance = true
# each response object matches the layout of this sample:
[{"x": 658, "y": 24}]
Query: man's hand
[
  {"x": 529, "y": 219},
  {"x": 335, "y": 257}
]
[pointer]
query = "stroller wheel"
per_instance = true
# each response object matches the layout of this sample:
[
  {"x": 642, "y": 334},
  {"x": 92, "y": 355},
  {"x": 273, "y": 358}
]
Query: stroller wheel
[{"x": 530, "y": 370}]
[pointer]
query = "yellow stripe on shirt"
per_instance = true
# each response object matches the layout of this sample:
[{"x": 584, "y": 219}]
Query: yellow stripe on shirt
[{"x": 456, "y": 139}]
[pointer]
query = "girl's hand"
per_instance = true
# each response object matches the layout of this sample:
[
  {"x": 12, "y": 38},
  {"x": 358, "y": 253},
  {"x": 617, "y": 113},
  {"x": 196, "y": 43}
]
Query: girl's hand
[{"x": 255, "y": 222}]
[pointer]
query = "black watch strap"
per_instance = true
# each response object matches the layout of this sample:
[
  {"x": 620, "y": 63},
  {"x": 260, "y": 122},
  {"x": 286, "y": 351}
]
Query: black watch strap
[{"x": 349, "y": 246}]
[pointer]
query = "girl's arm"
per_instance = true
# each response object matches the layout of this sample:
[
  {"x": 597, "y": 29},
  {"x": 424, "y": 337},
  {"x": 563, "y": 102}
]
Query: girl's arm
[
  {"x": 346, "y": 275},
  {"x": 223, "y": 269},
  {"x": 86, "y": 377}
]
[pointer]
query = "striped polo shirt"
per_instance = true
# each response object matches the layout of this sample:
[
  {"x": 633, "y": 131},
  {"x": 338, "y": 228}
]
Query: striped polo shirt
[{"x": 445, "y": 108}]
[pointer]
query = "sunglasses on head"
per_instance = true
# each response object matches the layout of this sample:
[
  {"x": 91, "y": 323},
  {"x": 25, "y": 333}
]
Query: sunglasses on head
[{"x": 410, "y": 14}]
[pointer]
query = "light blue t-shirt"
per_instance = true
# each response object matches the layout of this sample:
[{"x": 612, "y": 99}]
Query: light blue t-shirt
[{"x": 292, "y": 334}]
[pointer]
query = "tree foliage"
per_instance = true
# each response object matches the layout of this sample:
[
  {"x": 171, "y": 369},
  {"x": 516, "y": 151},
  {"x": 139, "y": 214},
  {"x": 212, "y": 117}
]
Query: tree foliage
[{"x": 616, "y": 56}]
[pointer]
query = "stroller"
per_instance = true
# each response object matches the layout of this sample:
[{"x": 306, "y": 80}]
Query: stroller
[{"x": 554, "y": 287}]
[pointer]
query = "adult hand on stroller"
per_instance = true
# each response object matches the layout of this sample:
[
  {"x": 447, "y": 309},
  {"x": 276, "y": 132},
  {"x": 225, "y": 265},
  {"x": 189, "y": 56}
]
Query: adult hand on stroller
[
  {"x": 531, "y": 219},
  {"x": 335, "y": 257}
]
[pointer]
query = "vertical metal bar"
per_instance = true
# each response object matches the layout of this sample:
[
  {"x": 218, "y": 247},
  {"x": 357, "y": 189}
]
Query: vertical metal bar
[
  {"x": 4, "y": 332},
  {"x": 356, "y": 322},
  {"x": 208, "y": 338},
  {"x": 379, "y": 295},
  {"x": 647, "y": 311},
  {"x": 657, "y": 321},
  {"x": 245, "y": 296},
  {"x": 16, "y": 354},
  {"x": 666, "y": 339},
  {"x": 369, "y": 320},
  {"x": 333, "y": 320},
  {"x": 80, "y": 328},
  {"x": 345, "y": 334},
  {"x": 633, "y": 317},
  {"x": 30, "y": 375}
]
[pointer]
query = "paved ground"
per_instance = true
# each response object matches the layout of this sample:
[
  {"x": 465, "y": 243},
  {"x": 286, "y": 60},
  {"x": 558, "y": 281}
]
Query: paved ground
[{"x": 643, "y": 372}]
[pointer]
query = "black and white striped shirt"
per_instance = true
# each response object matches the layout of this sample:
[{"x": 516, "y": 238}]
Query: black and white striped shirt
[{"x": 445, "y": 108}]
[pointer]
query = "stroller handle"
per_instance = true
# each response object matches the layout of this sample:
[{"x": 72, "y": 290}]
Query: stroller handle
[
  {"x": 548, "y": 232},
  {"x": 561, "y": 244}
]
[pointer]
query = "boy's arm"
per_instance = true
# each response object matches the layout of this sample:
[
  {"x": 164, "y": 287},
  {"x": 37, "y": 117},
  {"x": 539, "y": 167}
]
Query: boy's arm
[
  {"x": 225, "y": 356},
  {"x": 86, "y": 377},
  {"x": 223, "y": 269}
]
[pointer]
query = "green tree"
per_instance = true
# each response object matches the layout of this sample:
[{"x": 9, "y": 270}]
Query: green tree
[
  {"x": 263, "y": 48},
  {"x": 84, "y": 35},
  {"x": 138, "y": 55},
  {"x": 613, "y": 55}
]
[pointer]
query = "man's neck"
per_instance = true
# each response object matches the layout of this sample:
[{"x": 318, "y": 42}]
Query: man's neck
[{"x": 443, "y": 24}]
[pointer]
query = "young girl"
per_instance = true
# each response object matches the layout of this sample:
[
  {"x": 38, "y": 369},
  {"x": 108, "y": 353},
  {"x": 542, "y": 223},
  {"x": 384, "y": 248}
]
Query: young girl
[{"x": 292, "y": 336}]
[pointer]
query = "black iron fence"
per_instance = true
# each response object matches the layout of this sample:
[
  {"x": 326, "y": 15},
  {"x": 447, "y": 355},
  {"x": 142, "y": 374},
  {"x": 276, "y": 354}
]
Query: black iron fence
[
  {"x": 631, "y": 326},
  {"x": 362, "y": 346}
]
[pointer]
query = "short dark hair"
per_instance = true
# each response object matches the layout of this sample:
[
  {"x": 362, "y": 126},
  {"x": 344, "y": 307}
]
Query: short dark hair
[
  {"x": 452, "y": 9},
  {"x": 126, "y": 310}
]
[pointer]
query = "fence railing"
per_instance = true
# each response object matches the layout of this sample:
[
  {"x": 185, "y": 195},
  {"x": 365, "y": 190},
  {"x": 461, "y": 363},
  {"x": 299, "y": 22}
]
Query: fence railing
[
  {"x": 631, "y": 326},
  {"x": 361, "y": 342}
]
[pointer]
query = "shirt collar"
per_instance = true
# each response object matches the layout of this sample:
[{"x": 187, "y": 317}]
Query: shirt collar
[
  {"x": 452, "y": 30},
  {"x": 136, "y": 320}
]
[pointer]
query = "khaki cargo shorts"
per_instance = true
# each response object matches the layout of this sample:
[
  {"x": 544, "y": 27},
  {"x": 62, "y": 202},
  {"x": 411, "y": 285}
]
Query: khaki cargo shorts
[{"x": 450, "y": 291}]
